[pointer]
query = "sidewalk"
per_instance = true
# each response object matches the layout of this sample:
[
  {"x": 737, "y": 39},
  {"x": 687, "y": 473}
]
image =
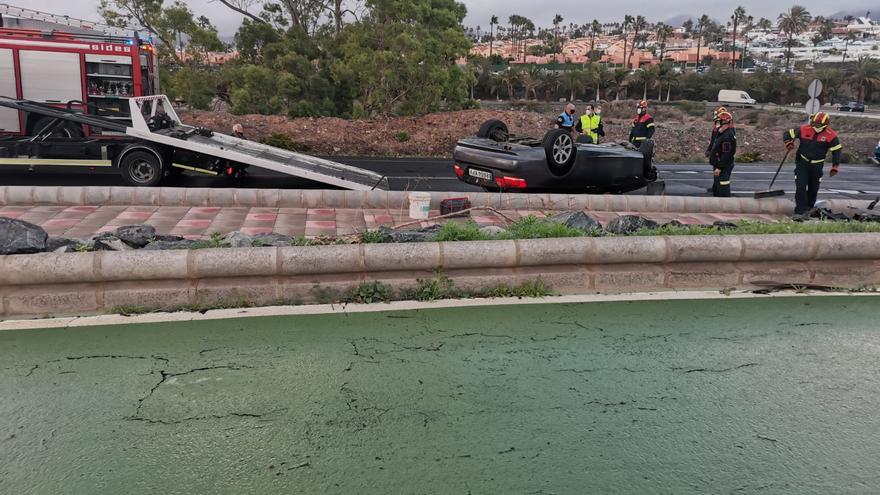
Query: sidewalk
[{"x": 200, "y": 222}]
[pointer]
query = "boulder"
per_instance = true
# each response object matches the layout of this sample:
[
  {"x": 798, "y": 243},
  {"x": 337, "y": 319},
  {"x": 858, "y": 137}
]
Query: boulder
[
  {"x": 627, "y": 224},
  {"x": 20, "y": 237},
  {"x": 136, "y": 235},
  {"x": 277, "y": 240},
  {"x": 492, "y": 230},
  {"x": 724, "y": 225},
  {"x": 112, "y": 244},
  {"x": 238, "y": 240},
  {"x": 168, "y": 238},
  {"x": 673, "y": 223},
  {"x": 168, "y": 245},
  {"x": 426, "y": 234},
  {"x": 577, "y": 220},
  {"x": 61, "y": 245}
]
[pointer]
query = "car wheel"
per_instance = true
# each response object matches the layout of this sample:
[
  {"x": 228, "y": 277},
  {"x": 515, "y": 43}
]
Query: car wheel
[
  {"x": 141, "y": 168},
  {"x": 66, "y": 130},
  {"x": 561, "y": 150},
  {"x": 495, "y": 130}
]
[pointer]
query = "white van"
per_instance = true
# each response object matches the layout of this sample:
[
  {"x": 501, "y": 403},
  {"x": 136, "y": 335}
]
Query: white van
[{"x": 735, "y": 97}]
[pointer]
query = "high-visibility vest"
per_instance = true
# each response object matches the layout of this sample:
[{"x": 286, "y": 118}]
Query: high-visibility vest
[{"x": 590, "y": 126}]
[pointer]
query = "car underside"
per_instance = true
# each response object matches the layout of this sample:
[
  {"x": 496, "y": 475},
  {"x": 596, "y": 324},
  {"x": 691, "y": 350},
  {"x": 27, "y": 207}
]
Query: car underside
[{"x": 497, "y": 161}]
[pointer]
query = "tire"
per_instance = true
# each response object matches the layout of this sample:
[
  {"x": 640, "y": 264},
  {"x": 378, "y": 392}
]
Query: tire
[
  {"x": 67, "y": 130},
  {"x": 141, "y": 168},
  {"x": 495, "y": 130},
  {"x": 561, "y": 151}
]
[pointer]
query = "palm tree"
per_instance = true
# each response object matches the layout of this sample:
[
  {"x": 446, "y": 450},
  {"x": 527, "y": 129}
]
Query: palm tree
[
  {"x": 746, "y": 29},
  {"x": 832, "y": 79},
  {"x": 765, "y": 24},
  {"x": 648, "y": 77},
  {"x": 793, "y": 22},
  {"x": 493, "y": 21},
  {"x": 531, "y": 81},
  {"x": 850, "y": 37},
  {"x": 572, "y": 81},
  {"x": 595, "y": 30},
  {"x": 638, "y": 25},
  {"x": 601, "y": 78},
  {"x": 663, "y": 33},
  {"x": 627, "y": 21},
  {"x": 509, "y": 78},
  {"x": 738, "y": 17},
  {"x": 864, "y": 76},
  {"x": 619, "y": 80},
  {"x": 550, "y": 81},
  {"x": 702, "y": 24},
  {"x": 556, "y": 22}
]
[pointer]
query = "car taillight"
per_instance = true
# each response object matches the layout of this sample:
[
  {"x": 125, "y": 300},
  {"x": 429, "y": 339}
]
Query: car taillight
[
  {"x": 230, "y": 171},
  {"x": 510, "y": 182},
  {"x": 459, "y": 172}
]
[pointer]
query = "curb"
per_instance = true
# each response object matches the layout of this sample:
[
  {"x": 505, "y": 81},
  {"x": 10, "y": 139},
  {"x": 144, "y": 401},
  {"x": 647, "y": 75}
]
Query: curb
[
  {"x": 88, "y": 283},
  {"x": 316, "y": 198}
]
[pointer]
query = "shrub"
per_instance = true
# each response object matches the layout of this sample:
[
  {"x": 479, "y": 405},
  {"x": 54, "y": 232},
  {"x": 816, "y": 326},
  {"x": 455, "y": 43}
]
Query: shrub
[
  {"x": 438, "y": 287},
  {"x": 532, "y": 227},
  {"x": 373, "y": 237},
  {"x": 368, "y": 293},
  {"x": 454, "y": 231},
  {"x": 749, "y": 157},
  {"x": 402, "y": 136},
  {"x": 284, "y": 142}
]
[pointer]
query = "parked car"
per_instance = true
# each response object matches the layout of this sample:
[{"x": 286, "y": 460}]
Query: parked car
[
  {"x": 750, "y": 70},
  {"x": 735, "y": 97},
  {"x": 497, "y": 161},
  {"x": 852, "y": 106}
]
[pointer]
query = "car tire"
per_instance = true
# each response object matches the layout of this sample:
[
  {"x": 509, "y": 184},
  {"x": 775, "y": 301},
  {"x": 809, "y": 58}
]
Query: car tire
[
  {"x": 67, "y": 130},
  {"x": 495, "y": 130},
  {"x": 141, "y": 168},
  {"x": 560, "y": 150}
]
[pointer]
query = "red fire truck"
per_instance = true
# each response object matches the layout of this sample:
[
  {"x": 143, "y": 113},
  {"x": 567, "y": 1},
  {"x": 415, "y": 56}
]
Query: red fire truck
[{"x": 74, "y": 65}]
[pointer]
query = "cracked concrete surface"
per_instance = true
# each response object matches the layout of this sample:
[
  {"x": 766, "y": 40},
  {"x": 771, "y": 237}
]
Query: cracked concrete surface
[{"x": 652, "y": 397}]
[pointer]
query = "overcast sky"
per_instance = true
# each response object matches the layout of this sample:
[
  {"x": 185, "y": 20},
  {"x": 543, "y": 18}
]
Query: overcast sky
[{"x": 579, "y": 11}]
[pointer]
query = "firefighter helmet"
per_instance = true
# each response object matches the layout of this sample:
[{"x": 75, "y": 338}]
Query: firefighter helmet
[
  {"x": 724, "y": 117},
  {"x": 643, "y": 104},
  {"x": 820, "y": 119}
]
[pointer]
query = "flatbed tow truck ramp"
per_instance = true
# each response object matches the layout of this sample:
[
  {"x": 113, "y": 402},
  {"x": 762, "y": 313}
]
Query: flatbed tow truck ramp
[{"x": 156, "y": 145}]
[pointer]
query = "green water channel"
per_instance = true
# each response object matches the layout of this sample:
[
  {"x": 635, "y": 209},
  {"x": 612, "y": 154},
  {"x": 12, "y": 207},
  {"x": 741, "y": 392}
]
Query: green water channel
[{"x": 729, "y": 396}]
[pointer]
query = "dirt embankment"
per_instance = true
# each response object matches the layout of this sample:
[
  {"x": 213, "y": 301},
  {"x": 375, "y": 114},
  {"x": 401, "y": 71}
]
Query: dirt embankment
[{"x": 681, "y": 137}]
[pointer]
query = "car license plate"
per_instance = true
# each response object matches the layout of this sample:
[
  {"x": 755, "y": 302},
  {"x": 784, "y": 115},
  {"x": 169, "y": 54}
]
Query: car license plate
[{"x": 480, "y": 174}]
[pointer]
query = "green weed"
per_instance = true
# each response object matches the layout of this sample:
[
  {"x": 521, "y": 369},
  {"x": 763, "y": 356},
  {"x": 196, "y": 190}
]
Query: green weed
[
  {"x": 369, "y": 293},
  {"x": 454, "y": 231}
]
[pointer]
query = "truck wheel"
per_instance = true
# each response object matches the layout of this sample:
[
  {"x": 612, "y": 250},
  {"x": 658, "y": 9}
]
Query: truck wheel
[
  {"x": 495, "y": 130},
  {"x": 560, "y": 149},
  {"x": 141, "y": 168}
]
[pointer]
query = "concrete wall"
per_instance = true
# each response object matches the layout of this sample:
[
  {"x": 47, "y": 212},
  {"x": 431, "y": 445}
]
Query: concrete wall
[
  {"x": 285, "y": 198},
  {"x": 88, "y": 283}
]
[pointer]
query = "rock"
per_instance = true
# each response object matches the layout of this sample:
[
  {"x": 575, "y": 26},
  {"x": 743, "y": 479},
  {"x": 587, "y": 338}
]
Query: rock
[
  {"x": 20, "y": 237},
  {"x": 724, "y": 225},
  {"x": 492, "y": 230},
  {"x": 136, "y": 235},
  {"x": 277, "y": 240},
  {"x": 627, "y": 224},
  {"x": 168, "y": 245},
  {"x": 827, "y": 214},
  {"x": 865, "y": 215},
  {"x": 238, "y": 240},
  {"x": 426, "y": 234},
  {"x": 673, "y": 223},
  {"x": 169, "y": 238},
  {"x": 577, "y": 220},
  {"x": 112, "y": 244},
  {"x": 61, "y": 245}
]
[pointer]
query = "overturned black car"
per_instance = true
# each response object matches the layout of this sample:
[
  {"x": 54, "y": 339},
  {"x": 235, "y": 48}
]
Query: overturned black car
[{"x": 498, "y": 161}]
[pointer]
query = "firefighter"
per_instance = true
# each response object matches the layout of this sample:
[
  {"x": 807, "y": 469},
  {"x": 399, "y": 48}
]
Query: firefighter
[
  {"x": 566, "y": 119},
  {"x": 816, "y": 140},
  {"x": 238, "y": 131},
  {"x": 715, "y": 126},
  {"x": 642, "y": 125},
  {"x": 722, "y": 154},
  {"x": 590, "y": 124}
]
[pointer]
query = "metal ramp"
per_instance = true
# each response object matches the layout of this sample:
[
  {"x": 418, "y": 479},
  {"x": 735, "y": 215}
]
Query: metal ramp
[
  {"x": 177, "y": 135},
  {"x": 238, "y": 150}
]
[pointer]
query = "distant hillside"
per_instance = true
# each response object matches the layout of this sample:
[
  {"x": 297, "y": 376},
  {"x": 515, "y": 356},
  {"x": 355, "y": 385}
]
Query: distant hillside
[{"x": 875, "y": 13}]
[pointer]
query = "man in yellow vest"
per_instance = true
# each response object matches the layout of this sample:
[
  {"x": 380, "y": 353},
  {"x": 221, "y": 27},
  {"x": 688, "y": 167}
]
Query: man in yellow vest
[{"x": 590, "y": 124}]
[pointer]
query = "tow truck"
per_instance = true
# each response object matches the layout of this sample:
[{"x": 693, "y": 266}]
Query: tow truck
[{"x": 156, "y": 145}]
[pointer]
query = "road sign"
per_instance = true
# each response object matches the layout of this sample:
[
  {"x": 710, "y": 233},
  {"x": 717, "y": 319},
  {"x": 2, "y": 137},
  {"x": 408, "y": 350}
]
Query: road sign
[
  {"x": 813, "y": 106},
  {"x": 815, "y": 88}
]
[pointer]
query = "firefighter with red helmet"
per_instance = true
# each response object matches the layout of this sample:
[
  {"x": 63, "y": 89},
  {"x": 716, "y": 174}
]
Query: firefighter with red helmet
[
  {"x": 722, "y": 154},
  {"x": 816, "y": 140},
  {"x": 642, "y": 125},
  {"x": 715, "y": 126}
]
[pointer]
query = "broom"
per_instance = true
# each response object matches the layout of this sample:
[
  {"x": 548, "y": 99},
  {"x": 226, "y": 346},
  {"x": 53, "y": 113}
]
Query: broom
[{"x": 770, "y": 193}]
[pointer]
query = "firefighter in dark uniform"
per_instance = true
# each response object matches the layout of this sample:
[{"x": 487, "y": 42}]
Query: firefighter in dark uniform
[
  {"x": 642, "y": 125},
  {"x": 715, "y": 126},
  {"x": 722, "y": 155},
  {"x": 566, "y": 119},
  {"x": 817, "y": 139}
]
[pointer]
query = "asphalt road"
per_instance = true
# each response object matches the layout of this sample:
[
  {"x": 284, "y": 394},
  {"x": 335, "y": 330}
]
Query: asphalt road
[
  {"x": 724, "y": 396},
  {"x": 435, "y": 174}
]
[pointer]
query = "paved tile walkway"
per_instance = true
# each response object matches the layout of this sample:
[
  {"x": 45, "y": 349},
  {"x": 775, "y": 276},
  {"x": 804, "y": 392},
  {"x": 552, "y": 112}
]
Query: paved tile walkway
[{"x": 201, "y": 222}]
